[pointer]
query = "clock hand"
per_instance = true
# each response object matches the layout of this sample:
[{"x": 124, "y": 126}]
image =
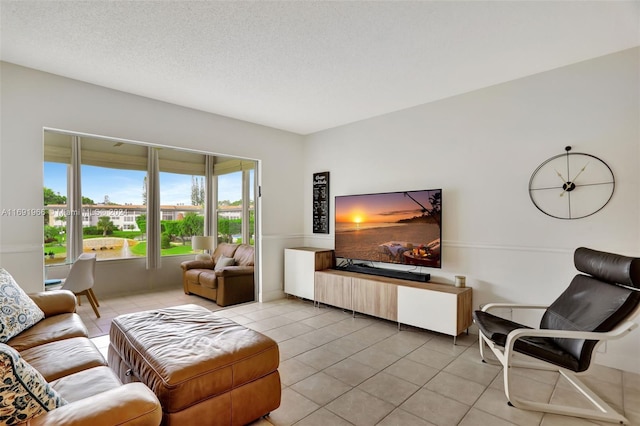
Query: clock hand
[
  {"x": 580, "y": 172},
  {"x": 570, "y": 186},
  {"x": 559, "y": 174}
]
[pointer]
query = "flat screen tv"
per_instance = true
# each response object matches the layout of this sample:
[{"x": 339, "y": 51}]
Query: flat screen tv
[{"x": 392, "y": 227}]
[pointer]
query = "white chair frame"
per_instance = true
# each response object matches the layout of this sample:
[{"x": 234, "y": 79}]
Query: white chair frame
[{"x": 601, "y": 411}]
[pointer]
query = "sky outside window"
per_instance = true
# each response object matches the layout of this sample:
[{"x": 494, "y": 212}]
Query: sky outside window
[{"x": 126, "y": 186}]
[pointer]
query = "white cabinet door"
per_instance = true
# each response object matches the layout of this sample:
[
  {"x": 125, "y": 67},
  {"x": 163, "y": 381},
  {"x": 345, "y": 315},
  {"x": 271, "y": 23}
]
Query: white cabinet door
[
  {"x": 432, "y": 310},
  {"x": 299, "y": 270}
]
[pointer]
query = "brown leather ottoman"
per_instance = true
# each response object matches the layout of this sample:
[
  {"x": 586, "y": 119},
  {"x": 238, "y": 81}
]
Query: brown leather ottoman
[{"x": 204, "y": 369}]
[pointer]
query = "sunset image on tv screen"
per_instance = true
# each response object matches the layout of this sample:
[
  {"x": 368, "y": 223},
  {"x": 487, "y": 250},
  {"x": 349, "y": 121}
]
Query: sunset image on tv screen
[{"x": 393, "y": 227}]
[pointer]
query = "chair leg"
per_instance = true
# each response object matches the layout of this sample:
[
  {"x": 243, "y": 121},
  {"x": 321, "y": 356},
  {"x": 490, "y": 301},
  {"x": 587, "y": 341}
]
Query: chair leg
[
  {"x": 90, "y": 298},
  {"x": 91, "y": 301},
  {"x": 601, "y": 410},
  {"x": 93, "y": 296},
  {"x": 487, "y": 344},
  {"x": 481, "y": 344}
]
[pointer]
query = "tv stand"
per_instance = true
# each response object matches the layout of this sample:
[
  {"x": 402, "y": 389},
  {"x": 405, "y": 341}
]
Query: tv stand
[
  {"x": 431, "y": 306},
  {"x": 438, "y": 307},
  {"x": 389, "y": 273}
]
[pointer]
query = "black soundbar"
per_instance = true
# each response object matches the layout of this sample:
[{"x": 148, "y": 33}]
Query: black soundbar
[{"x": 389, "y": 273}]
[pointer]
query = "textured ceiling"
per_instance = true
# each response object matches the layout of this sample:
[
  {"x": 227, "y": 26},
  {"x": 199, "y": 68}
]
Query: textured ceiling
[{"x": 309, "y": 66}]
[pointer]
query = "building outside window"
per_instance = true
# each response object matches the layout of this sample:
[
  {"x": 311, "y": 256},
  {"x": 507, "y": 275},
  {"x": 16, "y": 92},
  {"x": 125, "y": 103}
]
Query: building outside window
[{"x": 113, "y": 182}]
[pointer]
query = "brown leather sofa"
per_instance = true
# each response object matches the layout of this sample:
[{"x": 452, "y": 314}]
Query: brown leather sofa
[
  {"x": 59, "y": 348},
  {"x": 226, "y": 285}
]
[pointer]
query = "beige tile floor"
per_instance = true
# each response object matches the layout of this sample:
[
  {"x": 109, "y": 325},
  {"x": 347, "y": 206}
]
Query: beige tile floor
[{"x": 340, "y": 370}]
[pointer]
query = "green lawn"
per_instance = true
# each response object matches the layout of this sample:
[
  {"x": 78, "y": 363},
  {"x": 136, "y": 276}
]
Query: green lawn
[
  {"x": 126, "y": 234},
  {"x": 140, "y": 249},
  {"x": 179, "y": 249}
]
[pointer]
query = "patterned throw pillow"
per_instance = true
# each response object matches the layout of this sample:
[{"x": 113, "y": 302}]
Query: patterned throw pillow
[
  {"x": 17, "y": 311},
  {"x": 24, "y": 393},
  {"x": 223, "y": 262}
]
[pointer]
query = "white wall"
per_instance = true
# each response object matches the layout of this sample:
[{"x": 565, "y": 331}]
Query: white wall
[
  {"x": 32, "y": 100},
  {"x": 481, "y": 148}
]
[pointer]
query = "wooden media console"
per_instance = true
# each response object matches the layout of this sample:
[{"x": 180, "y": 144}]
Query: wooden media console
[{"x": 437, "y": 307}]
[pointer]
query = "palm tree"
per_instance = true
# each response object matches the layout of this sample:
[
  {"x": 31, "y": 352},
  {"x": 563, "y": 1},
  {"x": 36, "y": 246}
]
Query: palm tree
[{"x": 105, "y": 224}]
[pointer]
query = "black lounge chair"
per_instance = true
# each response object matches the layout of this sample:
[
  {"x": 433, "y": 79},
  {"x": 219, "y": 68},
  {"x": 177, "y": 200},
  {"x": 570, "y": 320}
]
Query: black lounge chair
[{"x": 598, "y": 305}]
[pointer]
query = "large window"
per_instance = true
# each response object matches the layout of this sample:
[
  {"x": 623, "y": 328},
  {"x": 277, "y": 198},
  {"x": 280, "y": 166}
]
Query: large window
[
  {"x": 109, "y": 226},
  {"x": 230, "y": 208},
  {"x": 114, "y": 178},
  {"x": 182, "y": 207},
  {"x": 235, "y": 203},
  {"x": 55, "y": 203}
]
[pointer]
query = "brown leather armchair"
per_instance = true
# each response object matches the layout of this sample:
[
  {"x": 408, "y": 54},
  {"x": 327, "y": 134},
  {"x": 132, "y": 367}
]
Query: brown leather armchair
[{"x": 227, "y": 279}]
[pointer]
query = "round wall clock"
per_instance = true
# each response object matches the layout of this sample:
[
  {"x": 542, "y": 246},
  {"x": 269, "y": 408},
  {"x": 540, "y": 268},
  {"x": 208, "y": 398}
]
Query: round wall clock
[{"x": 572, "y": 185}]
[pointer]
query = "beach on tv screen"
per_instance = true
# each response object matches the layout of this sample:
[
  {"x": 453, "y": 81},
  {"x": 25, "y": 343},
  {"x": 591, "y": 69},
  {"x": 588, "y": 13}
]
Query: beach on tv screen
[{"x": 403, "y": 227}]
